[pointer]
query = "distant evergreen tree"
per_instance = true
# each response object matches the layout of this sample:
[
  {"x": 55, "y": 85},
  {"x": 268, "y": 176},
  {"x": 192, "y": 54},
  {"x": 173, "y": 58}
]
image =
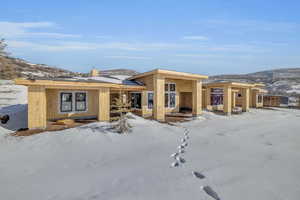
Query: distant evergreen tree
[{"x": 3, "y": 45}]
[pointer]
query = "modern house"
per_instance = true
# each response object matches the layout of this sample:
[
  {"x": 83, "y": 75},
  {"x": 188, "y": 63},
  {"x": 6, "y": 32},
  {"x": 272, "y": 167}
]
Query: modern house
[
  {"x": 154, "y": 93},
  {"x": 226, "y": 96},
  {"x": 276, "y": 101}
]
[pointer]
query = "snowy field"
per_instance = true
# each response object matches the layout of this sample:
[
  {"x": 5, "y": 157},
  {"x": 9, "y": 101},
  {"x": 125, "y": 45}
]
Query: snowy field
[{"x": 253, "y": 156}]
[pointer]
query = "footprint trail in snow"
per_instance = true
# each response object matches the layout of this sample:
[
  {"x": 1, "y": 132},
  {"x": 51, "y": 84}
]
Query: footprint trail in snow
[{"x": 179, "y": 160}]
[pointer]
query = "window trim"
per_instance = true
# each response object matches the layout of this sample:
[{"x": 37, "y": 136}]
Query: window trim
[
  {"x": 169, "y": 92},
  {"x": 150, "y": 92},
  {"x": 85, "y": 102},
  {"x": 260, "y": 97},
  {"x": 61, "y": 102},
  {"x": 141, "y": 100},
  {"x": 73, "y": 101}
]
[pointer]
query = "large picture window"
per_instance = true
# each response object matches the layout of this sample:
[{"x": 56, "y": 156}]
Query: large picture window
[
  {"x": 73, "y": 102},
  {"x": 216, "y": 96},
  {"x": 66, "y": 102},
  {"x": 170, "y": 95},
  {"x": 150, "y": 100},
  {"x": 136, "y": 100},
  {"x": 80, "y": 101}
]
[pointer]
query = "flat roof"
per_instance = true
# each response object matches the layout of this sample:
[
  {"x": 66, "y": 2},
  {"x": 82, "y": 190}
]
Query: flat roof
[
  {"x": 170, "y": 73},
  {"x": 73, "y": 83},
  {"x": 228, "y": 84}
]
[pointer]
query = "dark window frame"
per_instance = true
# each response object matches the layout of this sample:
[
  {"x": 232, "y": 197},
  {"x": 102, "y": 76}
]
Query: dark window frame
[
  {"x": 61, "y": 102},
  {"x": 150, "y": 106},
  {"x": 135, "y": 104},
  {"x": 168, "y": 93},
  {"x": 85, "y": 102}
]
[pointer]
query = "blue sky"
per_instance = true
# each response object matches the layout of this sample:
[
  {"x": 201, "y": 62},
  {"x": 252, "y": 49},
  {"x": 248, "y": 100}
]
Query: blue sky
[{"x": 208, "y": 37}]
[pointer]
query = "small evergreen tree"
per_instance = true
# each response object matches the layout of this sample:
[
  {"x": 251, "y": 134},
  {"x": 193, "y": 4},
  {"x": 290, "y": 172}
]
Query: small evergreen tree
[{"x": 121, "y": 106}]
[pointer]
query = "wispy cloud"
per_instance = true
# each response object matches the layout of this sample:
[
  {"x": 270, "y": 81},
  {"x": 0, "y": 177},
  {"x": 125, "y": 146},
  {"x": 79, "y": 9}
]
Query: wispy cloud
[
  {"x": 195, "y": 37},
  {"x": 129, "y": 57},
  {"x": 71, "y": 45},
  {"x": 13, "y": 30}
]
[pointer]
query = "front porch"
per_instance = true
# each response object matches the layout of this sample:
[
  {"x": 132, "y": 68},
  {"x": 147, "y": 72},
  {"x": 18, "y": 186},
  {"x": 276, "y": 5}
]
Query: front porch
[{"x": 222, "y": 96}]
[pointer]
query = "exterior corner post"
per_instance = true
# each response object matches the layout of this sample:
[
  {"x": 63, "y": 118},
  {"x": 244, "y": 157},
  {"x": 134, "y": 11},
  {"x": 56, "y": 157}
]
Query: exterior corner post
[
  {"x": 37, "y": 107},
  {"x": 144, "y": 103},
  {"x": 103, "y": 104},
  {"x": 197, "y": 97},
  {"x": 159, "y": 97},
  {"x": 246, "y": 99},
  {"x": 227, "y": 100},
  {"x": 208, "y": 96}
]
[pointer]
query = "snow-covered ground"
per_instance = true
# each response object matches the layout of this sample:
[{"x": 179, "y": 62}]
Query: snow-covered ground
[
  {"x": 255, "y": 155},
  {"x": 13, "y": 101}
]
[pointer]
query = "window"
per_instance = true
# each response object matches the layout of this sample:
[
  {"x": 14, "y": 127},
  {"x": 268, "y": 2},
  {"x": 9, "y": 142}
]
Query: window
[
  {"x": 66, "y": 102},
  {"x": 150, "y": 100},
  {"x": 136, "y": 100},
  {"x": 73, "y": 102},
  {"x": 172, "y": 87},
  {"x": 216, "y": 97},
  {"x": 259, "y": 98},
  {"x": 166, "y": 100},
  {"x": 80, "y": 101},
  {"x": 170, "y": 95},
  {"x": 172, "y": 100}
]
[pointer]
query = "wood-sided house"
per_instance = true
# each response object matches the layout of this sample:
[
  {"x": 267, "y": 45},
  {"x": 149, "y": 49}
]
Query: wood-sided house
[
  {"x": 227, "y": 96},
  {"x": 152, "y": 93}
]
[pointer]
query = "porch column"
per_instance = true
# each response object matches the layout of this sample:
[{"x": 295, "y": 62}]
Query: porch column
[
  {"x": 233, "y": 99},
  {"x": 246, "y": 99},
  {"x": 197, "y": 97},
  {"x": 144, "y": 103},
  {"x": 159, "y": 97},
  {"x": 227, "y": 100},
  {"x": 104, "y": 104},
  {"x": 208, "y": 96},
  {"x": 37, "y": 107}
]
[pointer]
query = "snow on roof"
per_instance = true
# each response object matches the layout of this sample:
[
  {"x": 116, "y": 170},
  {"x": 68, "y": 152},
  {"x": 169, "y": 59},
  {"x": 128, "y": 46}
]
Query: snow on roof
[{"x": 117, "y": 79}]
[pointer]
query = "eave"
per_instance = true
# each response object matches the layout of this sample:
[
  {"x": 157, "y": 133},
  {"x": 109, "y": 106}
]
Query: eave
[{"x": 72, "y": 84}]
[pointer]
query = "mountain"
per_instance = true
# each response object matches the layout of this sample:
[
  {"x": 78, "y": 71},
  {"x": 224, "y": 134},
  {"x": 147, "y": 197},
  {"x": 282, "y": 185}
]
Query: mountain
[
  {"x": 11, "y": 68},
  {"x": 14, "y": 67},
  {"x": 125, "y": 72},
  {"x": 284, "y": 81}
]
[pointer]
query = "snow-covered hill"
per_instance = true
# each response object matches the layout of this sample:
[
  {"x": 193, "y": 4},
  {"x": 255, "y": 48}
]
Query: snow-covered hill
[
  {"x": 278, "y": 81},
  {"x": 14, "y": 67}
]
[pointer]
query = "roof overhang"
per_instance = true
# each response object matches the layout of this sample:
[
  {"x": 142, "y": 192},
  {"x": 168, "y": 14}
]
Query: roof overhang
[
  {"x": 170, "y": 74},
  {"x": 228, "y": 84},
  {"x": 260, "y": 90},
  {"x": 72, "y": 84}
]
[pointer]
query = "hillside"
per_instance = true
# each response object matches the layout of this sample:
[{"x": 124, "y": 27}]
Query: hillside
[
  {"x": 278, "y": 81},
  {"x": 125, "y": 72},
  {"x": 13, "y": 67}
]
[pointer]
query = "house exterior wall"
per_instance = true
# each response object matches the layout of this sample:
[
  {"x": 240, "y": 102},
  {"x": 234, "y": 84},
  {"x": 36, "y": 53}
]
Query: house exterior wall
[
  {"x": 182, "y": 86},
  {"x": 53, "y": 104},
  {"x": 272, "y": 101},
  {"x": 37, "y": 107}
]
